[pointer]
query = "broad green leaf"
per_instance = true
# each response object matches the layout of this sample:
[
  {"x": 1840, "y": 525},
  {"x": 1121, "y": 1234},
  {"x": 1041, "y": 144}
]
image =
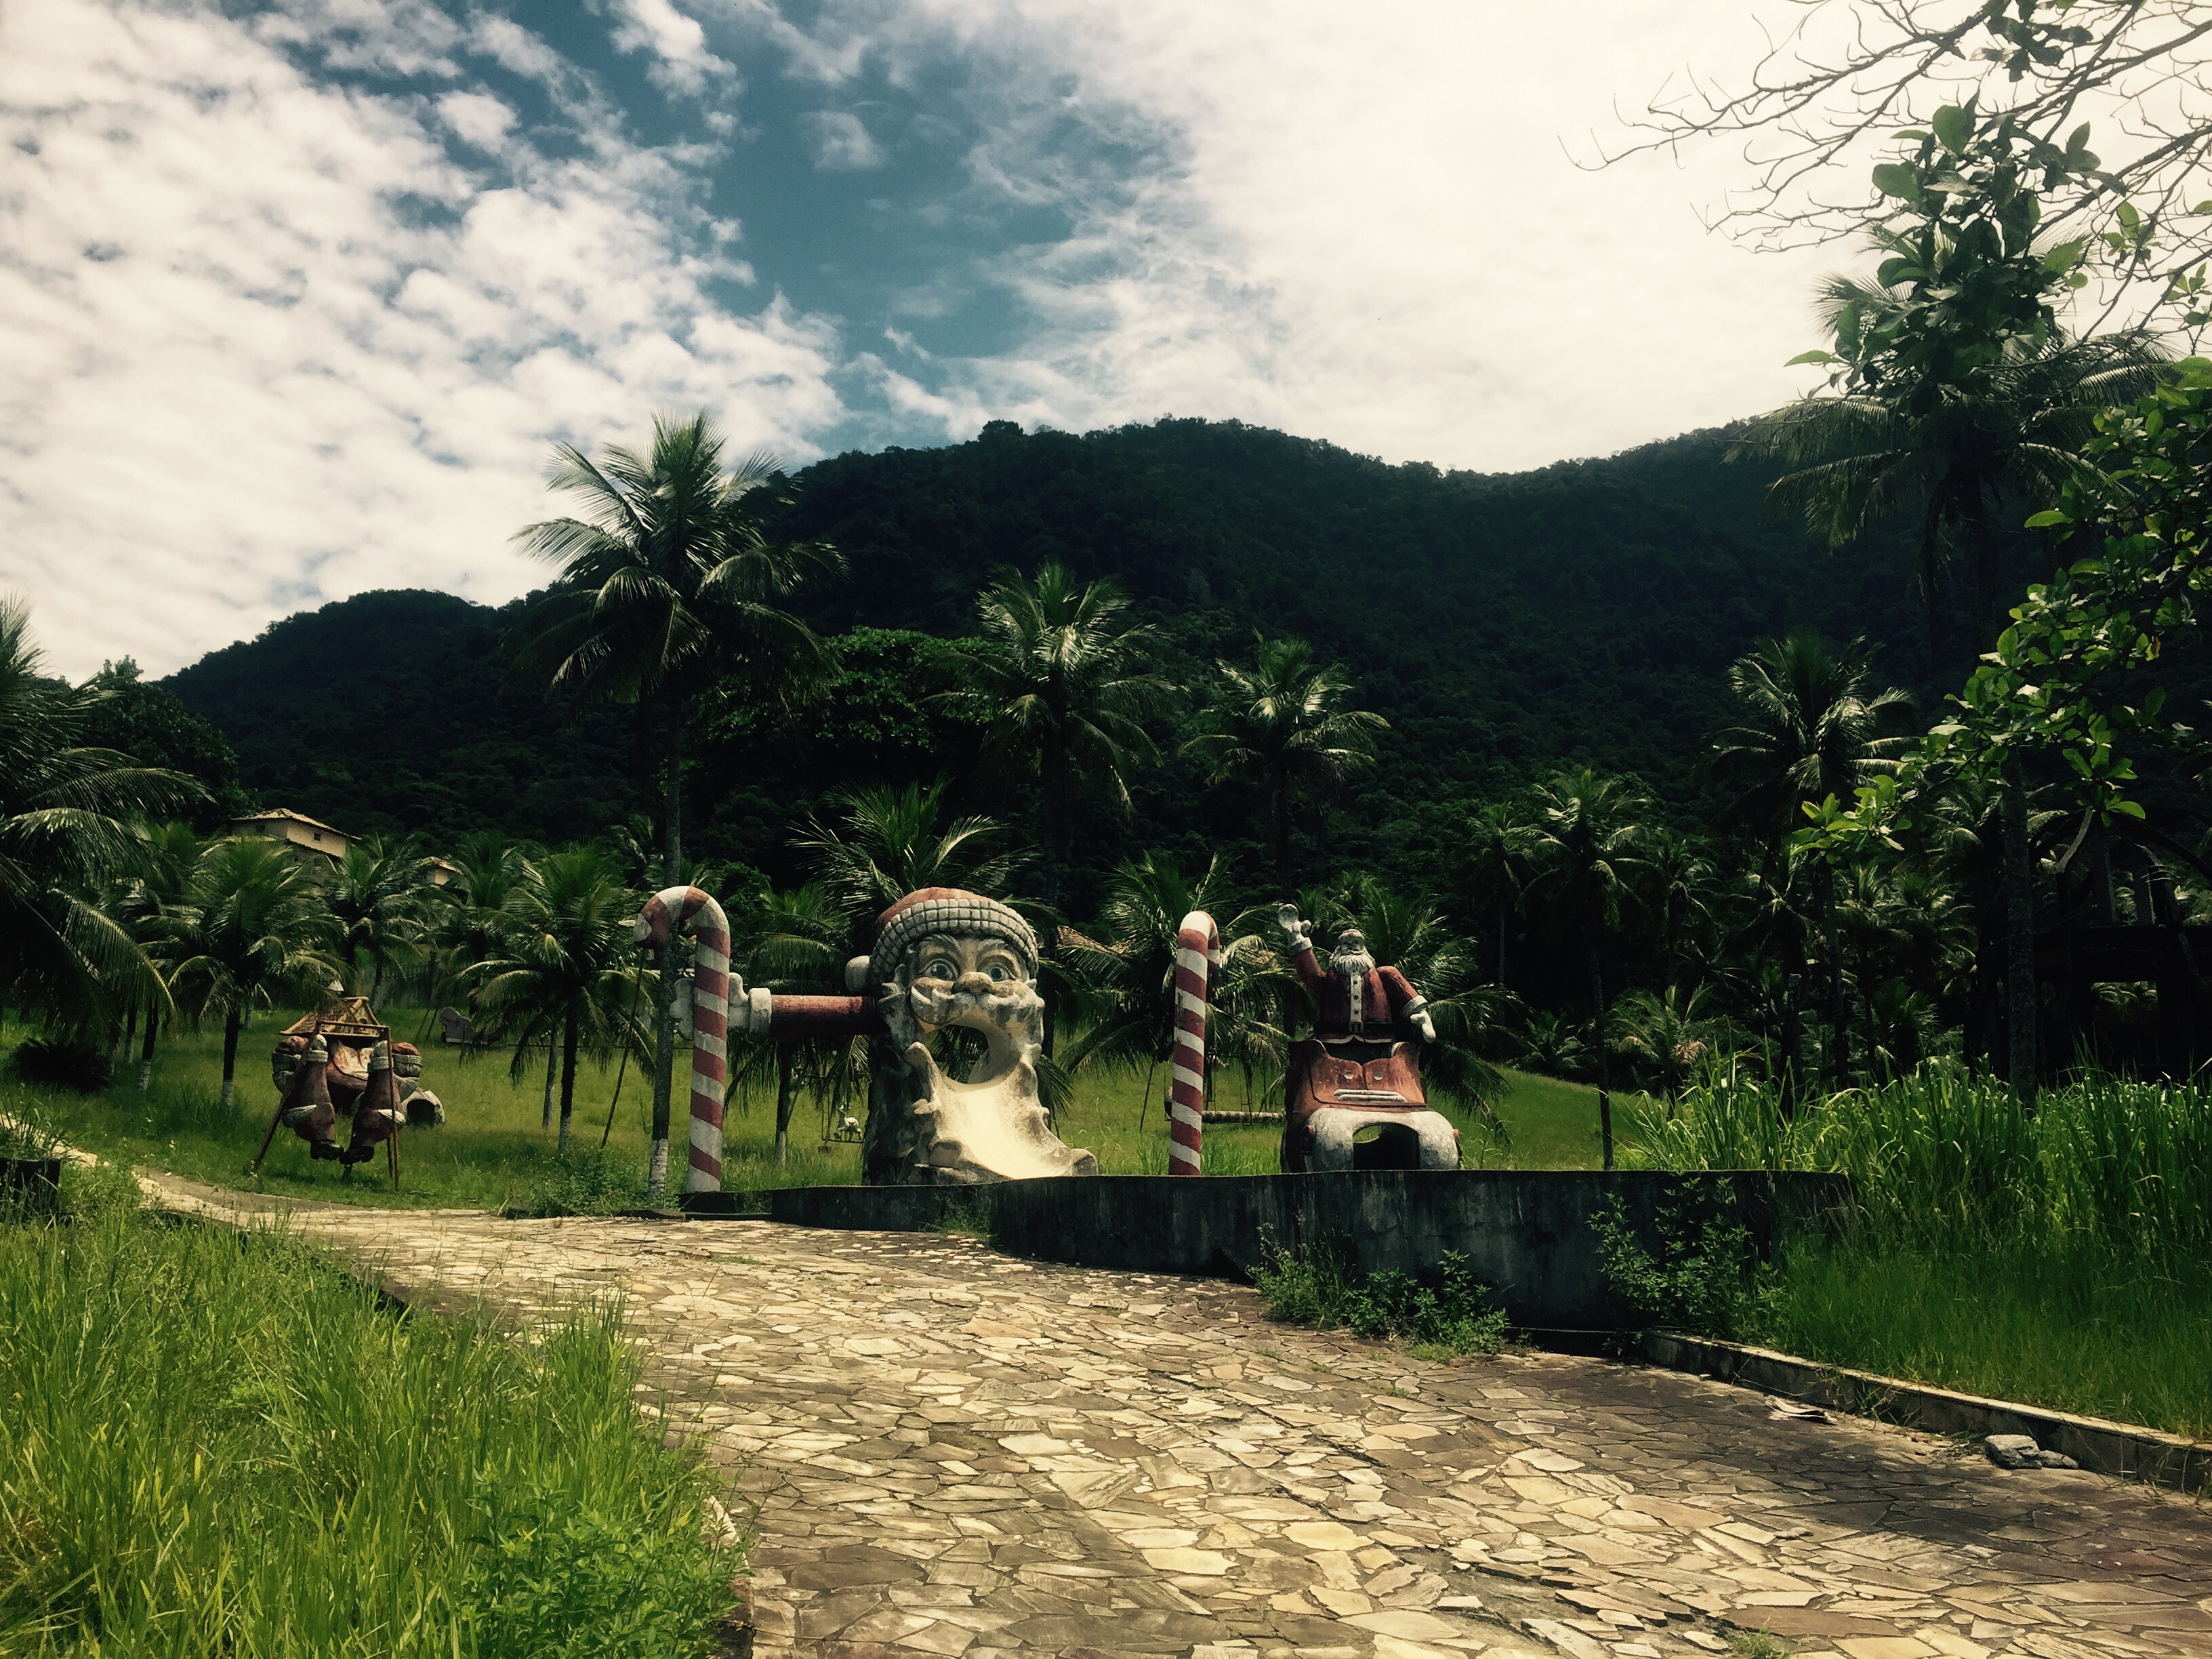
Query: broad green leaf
[
  {"x": 1892, "y": 180},
  {"x": 1954, "y": 128},
  {"x": 1812, "y": 357}
]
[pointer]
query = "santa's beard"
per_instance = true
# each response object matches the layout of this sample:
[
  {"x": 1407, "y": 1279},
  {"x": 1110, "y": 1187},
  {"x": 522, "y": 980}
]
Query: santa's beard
[{"x": 1352, "y": 965}]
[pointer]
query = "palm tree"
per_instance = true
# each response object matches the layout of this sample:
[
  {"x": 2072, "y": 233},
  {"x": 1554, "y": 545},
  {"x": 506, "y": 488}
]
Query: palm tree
[
  {"x": 1682, "y": 891},
  {"x": 1126, "y": 979},
  {"x": 671, "y": 578},
  {"x": 252, "y": 928},
  {"x": 896, "y": 842},
  {"x": 792, "y": 940},
  {"x": 1667, "y": 1035},
  {"x": 1062, "y": 672},
  {"x": 565, "y": 963},
  {"x": 1280, "y": 727},
  {"x": 379, "y": 897},
  {"x": 159, "y": 884},
  {"x": 1469, "y": 1013},
  {"x": 1493, "y": 868},
  {"x": 1812, "y": 728},
  {"x": 2008, "y": 431},
  {"x": 66, "y": 814},
  {"x": 1588, "y": 846}
]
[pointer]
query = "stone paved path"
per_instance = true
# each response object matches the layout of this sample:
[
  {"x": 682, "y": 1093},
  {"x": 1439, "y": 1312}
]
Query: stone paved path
[{"x": 950, "y": 1452}]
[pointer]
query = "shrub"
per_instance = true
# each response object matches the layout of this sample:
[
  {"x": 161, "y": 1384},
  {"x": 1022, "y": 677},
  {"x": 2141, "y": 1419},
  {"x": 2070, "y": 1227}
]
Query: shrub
[
  {"x": 585, "y": 1181},
  {"x": 1323, "y": 1289},
  {"x": 63, "y": 1063},
  {"x": 1706, "y": 1279}
]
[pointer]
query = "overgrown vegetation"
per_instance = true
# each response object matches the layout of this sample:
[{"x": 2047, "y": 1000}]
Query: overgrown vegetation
[
  {"x": 217, "y": 1444},
  {"x": 1705, "y": 1276},
  {"x": 1448, "y": 1318},
  {"x": 2058, "y": 1259}
]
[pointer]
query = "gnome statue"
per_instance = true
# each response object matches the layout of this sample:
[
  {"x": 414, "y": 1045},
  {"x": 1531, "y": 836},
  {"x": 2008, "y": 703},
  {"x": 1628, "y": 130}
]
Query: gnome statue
[
  {"x": 944, "y": 961},
  {"x": 1353, "y": 1097}
]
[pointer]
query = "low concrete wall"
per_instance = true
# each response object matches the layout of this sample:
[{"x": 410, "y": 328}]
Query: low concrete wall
[
  {"x": 2120, "y": 1448},
  {"x": 1526, "y": 1233}
]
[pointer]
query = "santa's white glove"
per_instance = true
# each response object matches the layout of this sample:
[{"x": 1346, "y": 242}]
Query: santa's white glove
[{"x": 1297, "y": 935}]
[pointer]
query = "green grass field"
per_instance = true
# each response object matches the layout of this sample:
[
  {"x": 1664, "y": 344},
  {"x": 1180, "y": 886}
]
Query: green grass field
[{"x": 494, "y": 1152}]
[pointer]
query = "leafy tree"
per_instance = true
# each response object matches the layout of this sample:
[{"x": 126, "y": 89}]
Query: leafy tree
[
  {"x": 566, "y": 966},
  {"x": 1682, "y": 896},
  {"x": 379, "y": 897},
  {"x": 793, "y": 941},
  {"x": 1280, "y": 727},
  {"x": 66, "y": 829},
  {"x": 1667, "y": 1035},
  {"x": 670, "y": 579},
  {"x": 160, "y": 880},
  {"x": 1950, "y": 454},
  {"x": 1062, "y": 671},
  {"x": 147, "y": 721},
  {"x": 1553, "y": 1044},
  {"x": 2034, "y": 64},
  {"x": 1492, "y": 867},
  {"x": 897, "y": 841},
  {"x": 251, "y": 928},
  {"x": 1813, "y": 730},
  {"x": 1588, "y": 847},
  {"x": 1125, "y": 978}
]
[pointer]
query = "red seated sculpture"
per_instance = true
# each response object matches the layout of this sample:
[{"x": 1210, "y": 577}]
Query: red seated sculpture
[{"x": 1353, "y": 1097}]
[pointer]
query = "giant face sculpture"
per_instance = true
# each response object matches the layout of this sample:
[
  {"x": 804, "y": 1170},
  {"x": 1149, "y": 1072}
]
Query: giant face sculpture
[{"x": 947, "y": 960}]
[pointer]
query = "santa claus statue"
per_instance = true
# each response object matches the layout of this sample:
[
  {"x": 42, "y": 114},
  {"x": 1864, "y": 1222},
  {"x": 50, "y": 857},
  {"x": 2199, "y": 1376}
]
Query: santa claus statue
[{"x": 1353, "y": 1098}]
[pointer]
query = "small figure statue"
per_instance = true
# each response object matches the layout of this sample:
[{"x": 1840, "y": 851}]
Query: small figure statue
[
  {"x": 1360, "y": 1071},
  {"x": 944, "y": 960}
]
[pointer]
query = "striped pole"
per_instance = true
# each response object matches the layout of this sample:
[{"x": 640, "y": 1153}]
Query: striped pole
[
  {"x": 668, "y": 912},
  {"x": 1197, "y": 946}
]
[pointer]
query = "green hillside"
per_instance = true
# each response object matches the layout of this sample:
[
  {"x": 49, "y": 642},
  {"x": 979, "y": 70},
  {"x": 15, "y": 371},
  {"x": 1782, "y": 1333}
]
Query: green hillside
[{"x": 1503, "y": 624}]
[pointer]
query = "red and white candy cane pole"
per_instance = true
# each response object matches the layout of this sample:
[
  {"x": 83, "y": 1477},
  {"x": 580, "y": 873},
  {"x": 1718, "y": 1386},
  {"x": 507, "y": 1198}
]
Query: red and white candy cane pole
[
  {"x": 668, "y": 912},
  {"x": 1198, "y": 947}
]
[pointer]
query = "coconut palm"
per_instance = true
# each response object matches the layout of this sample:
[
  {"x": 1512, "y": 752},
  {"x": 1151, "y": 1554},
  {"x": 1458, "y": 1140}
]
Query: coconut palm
[
  {"x": 670, "y": 578},
  {"x": 66, "y": 814},
  {"x": 159, "y": 883},
  {"x": 1125, "y": 979},
  {"x": 1681, "y": 893},
  {"x": 251, "y": 928},
  {"x": 1589, "y": 857},
  {"x": 379, "y": 896},
  {"x": 1493, "y": 871},
  {"x": 566, "y": 966},
  {"x": 1812, "y": 727},
  {"x": 2008, "y": 431},
  {"x": 894, "y": 841},
  {"x": 792, "y": 940},
  {"x": 1553, "y": 1044},
  {"x": 1281, "y": 726},
  {"x": 1061, "y": 669},
  {"x": 1667, "y": 1035}
]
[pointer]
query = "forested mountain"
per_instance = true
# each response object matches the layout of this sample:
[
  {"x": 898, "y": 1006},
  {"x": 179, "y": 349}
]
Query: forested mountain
[{"x": 1503, "y": 625}]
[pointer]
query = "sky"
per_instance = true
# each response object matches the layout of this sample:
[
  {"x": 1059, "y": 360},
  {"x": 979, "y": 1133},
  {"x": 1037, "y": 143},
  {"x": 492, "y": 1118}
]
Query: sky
[{"x": 295, "y": 298}]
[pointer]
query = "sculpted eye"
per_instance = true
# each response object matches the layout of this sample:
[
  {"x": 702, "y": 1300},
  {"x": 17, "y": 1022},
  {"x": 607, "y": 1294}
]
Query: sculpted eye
[
  {"x": 940, "y": 968},
  {"x": 997, "y": 971}
]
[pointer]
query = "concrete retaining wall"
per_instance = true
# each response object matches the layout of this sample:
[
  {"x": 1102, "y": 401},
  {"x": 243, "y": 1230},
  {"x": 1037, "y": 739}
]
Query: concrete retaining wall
[{"x": 1526, "y": 1233}]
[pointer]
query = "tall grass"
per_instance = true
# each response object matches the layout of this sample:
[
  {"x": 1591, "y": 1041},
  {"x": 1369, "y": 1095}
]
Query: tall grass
[
  {"x": 2063, "y": 1258},
  {"x": 217, "y": 1444},
  {"x": 1938, "y": 1158}
]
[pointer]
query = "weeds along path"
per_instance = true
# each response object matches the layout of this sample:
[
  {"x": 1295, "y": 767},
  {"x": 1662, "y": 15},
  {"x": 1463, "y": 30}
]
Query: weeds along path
[{"x": 952, "y": 1452}]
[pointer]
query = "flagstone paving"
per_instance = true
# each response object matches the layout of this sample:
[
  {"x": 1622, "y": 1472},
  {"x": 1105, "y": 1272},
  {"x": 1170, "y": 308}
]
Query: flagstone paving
[{"x": 950, "y": 1452}]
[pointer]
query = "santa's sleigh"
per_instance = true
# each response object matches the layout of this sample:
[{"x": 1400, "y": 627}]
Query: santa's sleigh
[{"x": 341, "y": 1061}]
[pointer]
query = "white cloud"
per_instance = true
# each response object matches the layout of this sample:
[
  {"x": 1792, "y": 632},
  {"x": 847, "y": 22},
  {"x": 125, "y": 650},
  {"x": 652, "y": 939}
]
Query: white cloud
[
  {"x": 1364, "y": 227},
  {"x": 840, "y": 142},
  {"x": 476, "y": 118},
  {"x": 677, "y": 43},
  {"x": 241, "y": 369}
]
